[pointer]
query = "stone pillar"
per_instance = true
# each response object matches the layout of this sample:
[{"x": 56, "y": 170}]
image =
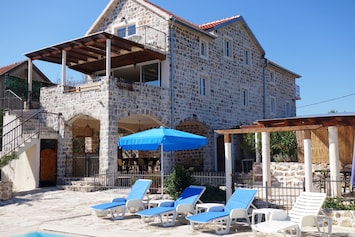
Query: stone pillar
[
  {"x": 64, "y": 67},
  {"x": 228, "y": 164},
  {"x": 257, "y": 149},
  {"x": 334, "y": 161},
  {"x": 108, "y": 57},
  {"x": 265, "y": 150},
  {"x": 307, "y": 160},
  {"x": 5, "y": 191},
  {"x": 108, "y": 137}
]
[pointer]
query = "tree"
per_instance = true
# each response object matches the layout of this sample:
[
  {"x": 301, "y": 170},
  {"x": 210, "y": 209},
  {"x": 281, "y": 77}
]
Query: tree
[{"x": 283, "y": 145}]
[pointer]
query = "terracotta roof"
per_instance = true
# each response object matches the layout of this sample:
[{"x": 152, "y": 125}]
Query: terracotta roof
[
  {"x": 212, "y": 24},
  {"x": 8, "y": 68},
  {"x": 169, "y": 13}
]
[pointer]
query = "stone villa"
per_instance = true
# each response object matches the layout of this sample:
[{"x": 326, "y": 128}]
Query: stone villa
[{"x": 146, "y": 67}]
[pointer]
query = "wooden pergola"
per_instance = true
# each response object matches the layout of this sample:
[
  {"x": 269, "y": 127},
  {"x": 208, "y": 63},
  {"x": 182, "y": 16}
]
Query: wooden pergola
[
  {"x": 100, "y": 51},
  {"x": 305, "y": 124}
]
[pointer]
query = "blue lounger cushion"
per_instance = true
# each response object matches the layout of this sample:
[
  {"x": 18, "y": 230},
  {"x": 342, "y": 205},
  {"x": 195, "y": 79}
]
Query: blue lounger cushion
[
  {"x": 107, "y": 205},
  {"x": 207, "y": 216}
]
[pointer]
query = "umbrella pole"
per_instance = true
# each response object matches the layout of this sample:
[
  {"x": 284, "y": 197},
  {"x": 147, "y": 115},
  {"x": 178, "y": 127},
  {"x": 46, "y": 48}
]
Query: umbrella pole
[{"x": 162, "y": 169}]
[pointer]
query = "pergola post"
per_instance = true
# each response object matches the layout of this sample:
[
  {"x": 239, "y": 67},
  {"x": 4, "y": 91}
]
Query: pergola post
[
  {"x": 257, "y": 149},
  {"x": 307, "y": 142},
  {"x": 334, "y": 161},
  {"x": 64, "y": 68},
  {"x": 228, "y": 164},
  {"x": 265, "y": 150},
  {"x": 29, "y": 82},
  {"x": 108, "y": 58}
]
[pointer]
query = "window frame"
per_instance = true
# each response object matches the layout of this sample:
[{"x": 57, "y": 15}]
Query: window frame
[
  {"x": 288, "y": 108},
  {"x": 245, "y": 96},
  {"x": 247, "y": 56},
  {"x": 203, "y": 47},
  {"x": 203, "y": 90},
  {"x": 141, "y": 73},
  {"x": 228, "y": 51},
  {"x": 272, "y": 77},
  {"x": 272, "y": 105},
  {"x": 126, "y": 27}
]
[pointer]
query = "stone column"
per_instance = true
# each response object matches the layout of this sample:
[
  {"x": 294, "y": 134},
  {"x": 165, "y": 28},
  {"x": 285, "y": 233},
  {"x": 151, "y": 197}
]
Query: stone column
[
  {"x": 108, "y": 137},
  {"x": 228, "y": 164},
  {"x": 257, "y": 149},
  {"x": 334, "y": 161},
  {"x": 265, "y": 150},
  {"x": 307, "y": 160}
]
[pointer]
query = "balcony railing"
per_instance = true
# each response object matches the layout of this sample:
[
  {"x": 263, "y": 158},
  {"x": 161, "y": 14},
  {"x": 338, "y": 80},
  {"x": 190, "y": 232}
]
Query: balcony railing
[
  {"x": 149, "y": 36},
  {"x": 298, "y": 92}
]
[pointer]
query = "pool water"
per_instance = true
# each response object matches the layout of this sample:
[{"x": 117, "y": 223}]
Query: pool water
[{"x": 39, "y": 234}]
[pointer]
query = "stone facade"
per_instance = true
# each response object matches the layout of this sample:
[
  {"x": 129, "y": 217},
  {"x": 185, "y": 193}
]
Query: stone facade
[
  {"x": 178, "y": 102},
  {"x": 5, "y": 191}
]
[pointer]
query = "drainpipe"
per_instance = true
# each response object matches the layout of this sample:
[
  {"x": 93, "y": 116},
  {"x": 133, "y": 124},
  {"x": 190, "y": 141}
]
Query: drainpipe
[{"x": 264, "y": 88}]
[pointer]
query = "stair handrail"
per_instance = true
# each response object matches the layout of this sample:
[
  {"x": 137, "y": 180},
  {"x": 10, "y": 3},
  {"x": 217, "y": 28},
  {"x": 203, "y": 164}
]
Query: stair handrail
[
  {"x": 7, "y": 98},
  {"x": 15, "y": 137}
]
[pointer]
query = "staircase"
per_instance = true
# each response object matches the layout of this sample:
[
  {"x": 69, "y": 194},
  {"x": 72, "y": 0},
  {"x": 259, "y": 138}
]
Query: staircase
[{"x": 23, "y": 128}]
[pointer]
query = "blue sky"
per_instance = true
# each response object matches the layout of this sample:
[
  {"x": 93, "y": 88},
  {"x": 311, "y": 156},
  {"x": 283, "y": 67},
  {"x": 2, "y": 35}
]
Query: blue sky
[{"x": 314, "y": 39}]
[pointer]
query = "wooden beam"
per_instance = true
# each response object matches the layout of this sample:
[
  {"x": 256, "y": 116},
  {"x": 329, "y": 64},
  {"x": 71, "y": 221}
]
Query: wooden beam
[{"x": 268, "y": 129}]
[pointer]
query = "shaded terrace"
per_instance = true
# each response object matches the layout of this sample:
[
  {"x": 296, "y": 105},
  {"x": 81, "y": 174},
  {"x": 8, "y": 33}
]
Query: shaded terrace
[{"x": 307, "y": 125}]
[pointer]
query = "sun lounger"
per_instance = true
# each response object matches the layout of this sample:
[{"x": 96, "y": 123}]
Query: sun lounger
[
  {"x": 168, "y": 211},
  {"x": 221, "y": 217},
  {"x": 305, "y": 212},
  {"x": 118, "y": 206}
]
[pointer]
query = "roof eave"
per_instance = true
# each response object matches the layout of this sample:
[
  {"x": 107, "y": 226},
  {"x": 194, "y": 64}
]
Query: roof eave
[
  {"x": 275, "y": 65},
  {"x": 241, "y": 19},
  {"x": 198, "y": 30}
]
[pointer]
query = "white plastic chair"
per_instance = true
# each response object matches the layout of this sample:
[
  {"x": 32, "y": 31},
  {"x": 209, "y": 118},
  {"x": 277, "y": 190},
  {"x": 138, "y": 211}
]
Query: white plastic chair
[{"x": 305, "y": 212}]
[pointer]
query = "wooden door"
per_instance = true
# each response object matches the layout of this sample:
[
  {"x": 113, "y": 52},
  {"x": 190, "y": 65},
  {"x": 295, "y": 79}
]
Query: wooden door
[{"x": 48, "y": 166}]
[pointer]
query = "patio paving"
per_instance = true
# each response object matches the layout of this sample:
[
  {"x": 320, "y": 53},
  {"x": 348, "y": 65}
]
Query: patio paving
[{"x": 68, "y": 213}]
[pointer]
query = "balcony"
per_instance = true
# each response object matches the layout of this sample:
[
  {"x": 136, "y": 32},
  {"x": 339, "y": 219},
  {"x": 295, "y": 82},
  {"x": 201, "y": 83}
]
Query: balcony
[
  {"x": 148, "y": 36},
  {"x": 298, "y": 92}
]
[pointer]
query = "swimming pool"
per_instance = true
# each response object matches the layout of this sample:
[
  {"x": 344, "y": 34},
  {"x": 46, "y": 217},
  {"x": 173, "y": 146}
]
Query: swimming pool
[{"x": 39, "y": 234}]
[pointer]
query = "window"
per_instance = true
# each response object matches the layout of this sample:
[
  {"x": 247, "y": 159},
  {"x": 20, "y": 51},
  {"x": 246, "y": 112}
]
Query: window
[
  {"x": 203, "y": 86},
  {"x": 272, "y": 77},
  {"x": 126, "y": 30},
  {"x": 203, "y": 49},
  {"x": 247, "y": 56},
  {"x": 272, "y": 105},
  {"x": 151, "y": 74},
  {"x": 245, "y": 97},
  {"x": 287, "y": 109},
  {"x": 228, "y": 48}
]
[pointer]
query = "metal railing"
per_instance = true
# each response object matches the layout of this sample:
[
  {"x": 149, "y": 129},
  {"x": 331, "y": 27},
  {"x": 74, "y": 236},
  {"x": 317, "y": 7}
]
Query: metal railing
[
  {"x": 11, "y": 101},
  {"x": 22, "y": 129}
]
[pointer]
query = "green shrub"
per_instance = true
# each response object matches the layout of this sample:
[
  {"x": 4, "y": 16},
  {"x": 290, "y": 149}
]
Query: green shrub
[
  {"x": 178, "y": 180},
  {"x": 338, "y": 204},
  {"x": 5, "y": 160},
  {"x": 213, "y": 194}
]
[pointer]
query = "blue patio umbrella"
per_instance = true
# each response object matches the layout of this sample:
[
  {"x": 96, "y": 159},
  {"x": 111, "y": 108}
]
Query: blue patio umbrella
[
  {"x": 352, "y": 180},
  {"x": 166, "y": 138}
]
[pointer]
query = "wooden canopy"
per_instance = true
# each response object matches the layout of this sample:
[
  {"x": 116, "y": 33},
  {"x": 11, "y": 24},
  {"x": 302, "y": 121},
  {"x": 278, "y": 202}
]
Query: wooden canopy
[
  {"x": 293, "y": 124},
  {"x": 88, "y": 54}
]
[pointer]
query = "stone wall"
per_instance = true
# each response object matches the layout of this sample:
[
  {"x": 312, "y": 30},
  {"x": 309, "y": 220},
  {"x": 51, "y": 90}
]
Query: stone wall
[
  {"x": 286, "y": 173},
  {"x": 5, "y": 190}
]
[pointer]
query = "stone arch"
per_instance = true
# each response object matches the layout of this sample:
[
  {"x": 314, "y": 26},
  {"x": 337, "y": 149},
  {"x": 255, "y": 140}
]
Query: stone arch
[
  {"x": 138, "y": 122},
  {"x": 133, "y": 161},
  {"x": 192, "y": 158},
  {"x": 85, "y": 144}
]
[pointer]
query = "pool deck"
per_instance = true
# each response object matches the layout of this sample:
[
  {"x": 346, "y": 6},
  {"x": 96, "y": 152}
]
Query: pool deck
[{"x": 68, "y": 213}]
